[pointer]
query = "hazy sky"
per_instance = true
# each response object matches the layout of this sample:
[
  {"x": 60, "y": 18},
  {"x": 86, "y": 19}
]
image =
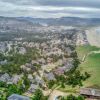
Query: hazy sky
[{"x": 50, "y": 8}]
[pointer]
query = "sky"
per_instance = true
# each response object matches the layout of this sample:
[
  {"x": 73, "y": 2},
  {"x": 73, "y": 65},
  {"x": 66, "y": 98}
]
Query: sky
[{"x": 50, "y": 8}]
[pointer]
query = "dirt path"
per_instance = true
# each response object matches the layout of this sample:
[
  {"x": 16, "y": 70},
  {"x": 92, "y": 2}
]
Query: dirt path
[
  {"x": 56, "y": 93},
  {"x": 86, "y": 55}
]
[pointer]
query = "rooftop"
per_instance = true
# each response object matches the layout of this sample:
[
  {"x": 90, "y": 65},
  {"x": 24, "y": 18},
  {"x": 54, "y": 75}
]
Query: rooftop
[
  {"x": 17, "y": 97},
  {"x": 90, "y": 92}
]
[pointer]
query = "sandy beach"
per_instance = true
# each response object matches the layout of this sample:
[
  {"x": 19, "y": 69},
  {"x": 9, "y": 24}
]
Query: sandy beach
[{"x": 93, "y": 36}]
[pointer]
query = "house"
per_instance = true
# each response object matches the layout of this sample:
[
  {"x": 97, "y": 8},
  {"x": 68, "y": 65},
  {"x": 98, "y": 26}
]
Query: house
[
  {"x": 18, "y": 97},
  {"x": 33, "y": 88},
  {"x": 34, "y": 62},
  {"x": 16, "y": 78},
  {"x": 3, "y": 47},
  {"x": 28, "y": 67},
  {"x": 39, "y": 81},
  {"x": 68, "y": 50},
  {"x": 3, "y": 62},
  {"x": 90, "y": 92},
  {"x": 23, "y": 67},
  {"x": 49, "y": 76},
  {"x": 30, "y": 77},
  {"x": 42, "y": 61},
  {"x": 44, "y": 67},
  {"x": 49, "y": 60},
  {"x": 59, "y": 70},
  {"x": 22, "y": 50},
  {"x": 5, "y": 78}
]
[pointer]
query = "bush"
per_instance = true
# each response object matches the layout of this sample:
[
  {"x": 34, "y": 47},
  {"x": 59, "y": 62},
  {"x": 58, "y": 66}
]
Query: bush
[
  {"x": 72, "y": 97},
  {"x": 76, "y": 78},
  {"x": 38, "y": 95}
]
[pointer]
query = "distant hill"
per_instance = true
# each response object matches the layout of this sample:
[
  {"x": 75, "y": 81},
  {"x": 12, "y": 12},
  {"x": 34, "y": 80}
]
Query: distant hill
[
  {"x": 64, "y": 21},
  {"x": 21, "y": 24}
]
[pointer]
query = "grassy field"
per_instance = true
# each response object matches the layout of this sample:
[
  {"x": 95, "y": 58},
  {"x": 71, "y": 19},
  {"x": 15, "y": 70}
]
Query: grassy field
[
  {"x": 83, "y": 50},
  {"x": 91, "y": 65}
]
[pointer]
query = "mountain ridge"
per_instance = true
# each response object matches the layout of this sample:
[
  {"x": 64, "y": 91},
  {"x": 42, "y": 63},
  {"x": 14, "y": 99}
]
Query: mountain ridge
[{"x": 57, "y": 21}]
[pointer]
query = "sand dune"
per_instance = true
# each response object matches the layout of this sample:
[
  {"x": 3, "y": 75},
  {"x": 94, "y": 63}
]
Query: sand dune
[{"x": 93, "y": 36}]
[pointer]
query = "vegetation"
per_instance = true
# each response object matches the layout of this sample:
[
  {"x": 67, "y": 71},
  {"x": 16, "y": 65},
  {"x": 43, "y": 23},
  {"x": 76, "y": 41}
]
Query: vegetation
[
  {"x": 16, "y": 60},
  {"x": 56, "y": 57},
  {"x": 84, "y": 50},
  {"x": 73, "y": 78},
  {"x": 72, "y": 97},
  {"x": 51, "y": 84},
  {"x": 91, "y": 65},
  {"x": 26, "y": 82},
  {"x": 8, "y": 89},
  {"x": 77, "y": 78},
  {"x": 2, "y": 57},
  {"x": 38, "y": 95}
]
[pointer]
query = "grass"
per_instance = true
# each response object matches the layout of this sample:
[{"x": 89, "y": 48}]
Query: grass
[
  {"x": 69, "y": 89},
  {"x": 83, "y": 50},
  {"x": 90, "y": 65}
]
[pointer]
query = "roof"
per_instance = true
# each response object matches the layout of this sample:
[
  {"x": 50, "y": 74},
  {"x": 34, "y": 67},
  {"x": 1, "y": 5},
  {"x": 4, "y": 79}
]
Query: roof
[
  {"x": 32, "y": 88},
  {"x": 17, "y": 97},
  {"x": 90, "y": 92},
  {"x": 59, "y": 70},
  {"x": 5, "y": 78},
  {"x": 50, "y": 76}
]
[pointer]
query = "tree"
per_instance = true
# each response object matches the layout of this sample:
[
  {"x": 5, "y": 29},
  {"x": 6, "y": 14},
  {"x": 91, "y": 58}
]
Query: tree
[
  {"x": 21, "y": 87},
  {"x": 62, "y": 85},
  {"x": 71, "y": 97},
  {"x": 12, "y": 89},
  {"x": 2, "y": 97},
  {"x": 87, "y": 75},
  {"x": 26, "y": 82},
  {"x": 80, "y": 97},
  {"x": 3, "y": 84},
  {"x": 38, "y": 95},
  {"x": 51, "y": 84},
  {"x": 62, "y": 98},
  {"x": 2, "y": 57},
  {"x": 75, "y": 79}
]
